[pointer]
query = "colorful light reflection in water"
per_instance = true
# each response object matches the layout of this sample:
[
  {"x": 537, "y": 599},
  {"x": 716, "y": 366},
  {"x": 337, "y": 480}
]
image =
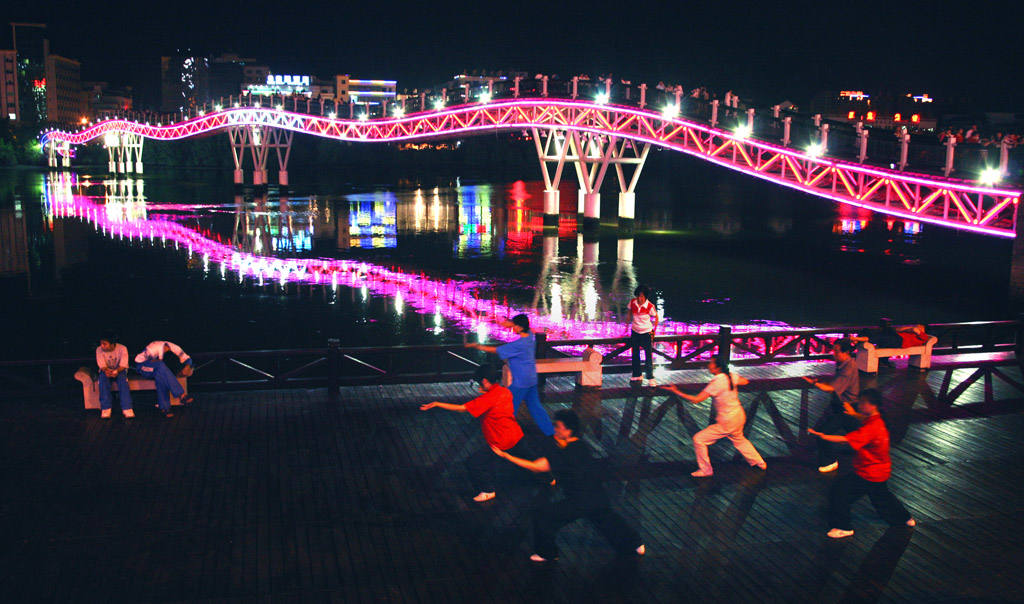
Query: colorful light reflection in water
[{"x": 124, "y": 216}]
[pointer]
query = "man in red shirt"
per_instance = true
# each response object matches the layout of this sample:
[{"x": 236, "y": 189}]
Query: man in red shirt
[
  {"x": 871, "y": 469},
  {"x": 496, "y": 413}
]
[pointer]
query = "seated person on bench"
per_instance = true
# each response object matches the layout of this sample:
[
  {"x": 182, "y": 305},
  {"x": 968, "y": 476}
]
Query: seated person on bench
[
  {"x": 883, "y": 336},
  {"x": 913, "y": 335},
  {"x": 151, "y": 365},
  {"x": 112, "y": 360}
]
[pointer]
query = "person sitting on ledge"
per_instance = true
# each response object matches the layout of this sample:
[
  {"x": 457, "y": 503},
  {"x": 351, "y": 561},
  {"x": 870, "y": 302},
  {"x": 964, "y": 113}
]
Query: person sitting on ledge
[
  {"x": 150, "y": 364},
  {"x": 112, "y": 360}
]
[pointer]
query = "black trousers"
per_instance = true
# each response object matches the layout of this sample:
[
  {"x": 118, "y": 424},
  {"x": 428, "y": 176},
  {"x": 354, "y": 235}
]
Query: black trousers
[
  {"x": 850, "y": 488},
  {"x": 548, "y": 519},
  {"x": 483, "y": 465},
  {"x": 838, "y": 423},
  {"x": 645, "y": 341}
]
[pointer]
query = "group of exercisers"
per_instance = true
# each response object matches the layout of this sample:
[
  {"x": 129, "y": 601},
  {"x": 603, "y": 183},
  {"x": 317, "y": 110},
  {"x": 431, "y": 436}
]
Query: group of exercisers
[{"x": 568, "y": 461}]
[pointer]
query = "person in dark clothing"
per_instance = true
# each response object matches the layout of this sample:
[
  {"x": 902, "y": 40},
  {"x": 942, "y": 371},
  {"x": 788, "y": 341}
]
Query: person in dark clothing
[
  {"x": 845, "y": 388},
  {"x": 572, "y": 462},
  {"x": 883, "y": 336}
]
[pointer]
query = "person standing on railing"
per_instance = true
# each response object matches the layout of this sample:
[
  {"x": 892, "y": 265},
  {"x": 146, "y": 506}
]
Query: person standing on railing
[
  {"x": 730, "y": 418},
  {"x": 150, "y": 364},
  {"x": 496, "y": 413},
  {"x": 845, "y": 389},
  {"x": 872, "y": 467},
  {"x": 112, "y": 360},
  {"x": 521, "y": 356},
  {"x": 643, "y": 319}
]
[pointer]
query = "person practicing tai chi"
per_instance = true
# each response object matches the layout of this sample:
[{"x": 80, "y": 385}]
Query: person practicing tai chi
[
  {"x": 643, "y": 321},
  {"x": 871, "y": 469},
  {"x": 572, "y": 462},
  {"x": 521, "y": 356},
  {"x": 112, "y": 360},
  {"x": 150, "y": 364},
  {"x": 730, "y": 418},
  {"x": 845, "y": 388},
  {"x": 497, "y": 422}
]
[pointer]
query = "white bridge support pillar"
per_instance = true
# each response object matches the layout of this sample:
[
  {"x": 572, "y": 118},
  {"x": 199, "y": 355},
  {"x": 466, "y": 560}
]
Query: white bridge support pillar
[
  {"x": 950, "y": 153},
  {"x": 552, "y": 147},
  {"x": 281, "y": 141},
  {"x": 594, "y": 153},
  {"x": 238, "y": 136}
]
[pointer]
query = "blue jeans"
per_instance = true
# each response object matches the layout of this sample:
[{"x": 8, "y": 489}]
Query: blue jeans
[
  {"x": 166, "y": 384},
  {"x": 532, "y": 396},
  {"x": 107, "y": 397}
]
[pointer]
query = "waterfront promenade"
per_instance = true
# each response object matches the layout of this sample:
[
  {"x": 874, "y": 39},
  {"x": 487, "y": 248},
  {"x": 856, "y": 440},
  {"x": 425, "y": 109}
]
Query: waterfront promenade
[{"x": 284, "y": 496}]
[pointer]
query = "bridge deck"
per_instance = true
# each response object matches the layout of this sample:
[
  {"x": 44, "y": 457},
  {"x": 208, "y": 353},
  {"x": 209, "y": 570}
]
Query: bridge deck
[{"x": 284, "y": 496}]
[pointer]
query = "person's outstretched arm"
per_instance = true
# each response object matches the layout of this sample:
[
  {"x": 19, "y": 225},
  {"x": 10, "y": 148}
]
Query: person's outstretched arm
[
  {"x": 445, "y": 406},
  {"x": 539, "y": 465}
]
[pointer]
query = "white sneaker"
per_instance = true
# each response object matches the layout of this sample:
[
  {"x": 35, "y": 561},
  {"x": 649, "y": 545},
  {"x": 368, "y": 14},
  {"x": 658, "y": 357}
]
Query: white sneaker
[
  {"x": 483, "y": 496},
  {"x": 832, "y": 466},
  {"x": 128, "y": 413},
  {"x": 839, "y": 533},
  {"x": 105, "y": 414}
]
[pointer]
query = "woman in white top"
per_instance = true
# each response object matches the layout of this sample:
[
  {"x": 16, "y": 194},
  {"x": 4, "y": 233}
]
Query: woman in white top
[{"x": 729, "y": 417}]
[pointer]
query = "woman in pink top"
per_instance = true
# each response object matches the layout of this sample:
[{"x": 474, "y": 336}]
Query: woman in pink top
[{"x": 729, "y": 417}]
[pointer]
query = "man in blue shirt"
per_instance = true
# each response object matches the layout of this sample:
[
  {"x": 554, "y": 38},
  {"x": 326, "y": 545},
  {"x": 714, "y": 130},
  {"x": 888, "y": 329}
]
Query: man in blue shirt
[{"x": 521, "y": 356}]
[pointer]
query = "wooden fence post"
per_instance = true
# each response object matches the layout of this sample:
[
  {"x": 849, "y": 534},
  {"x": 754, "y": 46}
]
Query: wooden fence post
[
  {"x": 724, "y": 343},
  {"x": 333, "y": 373}
]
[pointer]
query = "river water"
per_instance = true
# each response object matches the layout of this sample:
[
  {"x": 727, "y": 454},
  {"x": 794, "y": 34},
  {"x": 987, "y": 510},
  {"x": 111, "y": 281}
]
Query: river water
[{"x": 181, "y": 255}]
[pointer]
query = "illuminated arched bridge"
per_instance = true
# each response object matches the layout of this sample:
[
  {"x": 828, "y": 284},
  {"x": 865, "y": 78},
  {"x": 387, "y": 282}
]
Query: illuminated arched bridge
[{"x": 591, "y": 137}]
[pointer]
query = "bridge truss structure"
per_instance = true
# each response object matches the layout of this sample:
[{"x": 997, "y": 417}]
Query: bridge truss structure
[{"x": 592, "y": 137}]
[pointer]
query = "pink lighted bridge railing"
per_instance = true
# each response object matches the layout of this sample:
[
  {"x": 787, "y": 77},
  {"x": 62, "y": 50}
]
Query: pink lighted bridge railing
[
  {"x": 459, "y": 301},
  {"x": 961, "y": 204}
]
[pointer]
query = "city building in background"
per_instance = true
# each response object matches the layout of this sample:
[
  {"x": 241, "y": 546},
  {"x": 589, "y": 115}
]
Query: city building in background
[
  {"x": 9, "y": 85},
  {"x": 63, "y": 90},
  {"x": 99, "y": 99},
  {"x": 364, "y": 92},
  {"x": 915, "y": 112},
  {"x": 31, "y": 48},
  {"x": 184, "y": 82}
]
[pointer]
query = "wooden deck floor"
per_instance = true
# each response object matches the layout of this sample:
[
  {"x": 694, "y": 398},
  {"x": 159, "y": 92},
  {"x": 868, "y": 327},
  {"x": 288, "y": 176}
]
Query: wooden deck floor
[{"x": 286, "y": 497}]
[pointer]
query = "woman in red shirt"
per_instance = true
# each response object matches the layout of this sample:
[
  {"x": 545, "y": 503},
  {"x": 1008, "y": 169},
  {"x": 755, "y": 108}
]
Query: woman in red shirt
[{"x": 871, "y": 470}]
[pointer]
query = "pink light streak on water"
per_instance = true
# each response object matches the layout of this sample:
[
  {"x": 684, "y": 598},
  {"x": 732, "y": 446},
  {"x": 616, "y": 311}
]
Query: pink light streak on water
[{"x": 457, "y": 300}]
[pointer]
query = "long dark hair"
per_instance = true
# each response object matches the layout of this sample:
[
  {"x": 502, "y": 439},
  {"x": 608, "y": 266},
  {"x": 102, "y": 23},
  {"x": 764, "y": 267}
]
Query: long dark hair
[{"x": 723, "y": 365}]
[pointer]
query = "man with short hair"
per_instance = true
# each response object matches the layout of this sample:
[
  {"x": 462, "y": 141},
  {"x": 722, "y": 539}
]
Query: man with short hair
[
  {"x": 496, "y": 413},
  {"x": 112, "y": 360},
  {"x": 150, "y": 364},
  {"x": 872, "y": 467},
  {"x": 572, "y": 462},
  {"x": 845, "y": 388},
  {"x": 521, "y": 356}
]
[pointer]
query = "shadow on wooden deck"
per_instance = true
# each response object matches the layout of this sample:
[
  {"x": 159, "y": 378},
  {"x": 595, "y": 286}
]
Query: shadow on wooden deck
[{"x": 284, "y": 496}]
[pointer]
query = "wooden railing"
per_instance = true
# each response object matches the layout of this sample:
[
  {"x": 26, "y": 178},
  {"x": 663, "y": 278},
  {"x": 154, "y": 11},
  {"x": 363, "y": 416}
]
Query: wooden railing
[{"x": 335, "y": 366}]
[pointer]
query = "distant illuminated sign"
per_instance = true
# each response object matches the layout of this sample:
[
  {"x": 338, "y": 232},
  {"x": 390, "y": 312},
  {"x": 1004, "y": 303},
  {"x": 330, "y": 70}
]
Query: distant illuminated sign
[
  {"x": 287, "y": 80},
  {"x": 915, "y": 118},
  {"x": 853, "y": 95},
  {"x": 871, "y": 116},
  {"x": 39, "y": 83},
  {"x": 851, "y": 115},
  {"x": 898, "y": 117}
]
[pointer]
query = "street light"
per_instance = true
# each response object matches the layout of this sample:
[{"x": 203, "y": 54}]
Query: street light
[
  {"x": 485, "y": 97},
  {"x": 990, "y": 176},
  {"x": 601, "y": 98},
  {"x": 743, "y": 131},
  {"x": 815, "y": 150},
  {"x": 397, "y": 112},
  {"x": 669, "y": 112},
  {"x": 439, "y": 104}
]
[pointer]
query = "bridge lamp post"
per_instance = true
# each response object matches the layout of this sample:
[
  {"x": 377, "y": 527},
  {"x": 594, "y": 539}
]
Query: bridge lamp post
[
  {"x": 601, "y": 98},
  {"x": 398, "y": 111},
  {"x": 743, "y": 132},
  {"x": 217, "y": 107},
  {"x": 439, "y": 104},
  {"x": 990, "y": 176},
  {"x": 363, "y": 117},
  {"x": 670, "y": 111},
  {"x": 815, "y": 150},
  {"x": 485, "y": 97},
  {"x": 332, "y": 115}
]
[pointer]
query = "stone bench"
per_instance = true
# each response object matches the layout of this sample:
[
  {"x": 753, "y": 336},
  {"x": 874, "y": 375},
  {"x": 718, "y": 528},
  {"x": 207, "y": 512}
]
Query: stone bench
[
  {"x": 868, "y": 355},
  {"x": 91, "y": 386},
  {"x": 587, "y": 368}
]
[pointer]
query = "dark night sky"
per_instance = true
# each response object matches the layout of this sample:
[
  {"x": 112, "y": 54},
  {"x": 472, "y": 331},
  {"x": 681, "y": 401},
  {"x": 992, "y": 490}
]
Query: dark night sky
[{"x": 767, "y": 50}]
